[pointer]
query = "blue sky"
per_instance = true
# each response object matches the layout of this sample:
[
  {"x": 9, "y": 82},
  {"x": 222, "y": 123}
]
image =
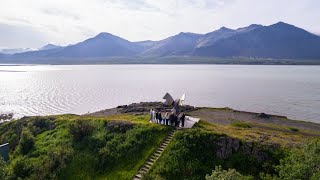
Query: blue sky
[{"x": 34, "y": 23}]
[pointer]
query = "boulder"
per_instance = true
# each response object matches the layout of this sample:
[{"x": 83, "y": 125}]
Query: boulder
[{"x": 263, "y": 116}]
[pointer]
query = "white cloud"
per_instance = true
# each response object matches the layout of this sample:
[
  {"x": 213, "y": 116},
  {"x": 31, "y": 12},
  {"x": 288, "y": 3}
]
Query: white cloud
[{"x": 71, "y": 21}]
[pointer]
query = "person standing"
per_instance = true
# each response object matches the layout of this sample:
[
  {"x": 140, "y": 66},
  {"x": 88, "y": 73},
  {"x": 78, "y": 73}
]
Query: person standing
[
  {"x": 157, "y": 117},
  {"x": 171, "y": 118},
  {"x": 166, "y": 118},
  {"x": 151, "y": 115},
  {"x": 160, "y": 118},
  {"x": 182, "y": 119},
  {"x": 176, "y": 120}
]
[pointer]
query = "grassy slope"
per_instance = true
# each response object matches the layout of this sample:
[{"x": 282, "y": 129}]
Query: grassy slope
[
  {"x": 83, "y": 162},
  {"x": 177, "y": 164},
  {"x": 190, "y": 155}
]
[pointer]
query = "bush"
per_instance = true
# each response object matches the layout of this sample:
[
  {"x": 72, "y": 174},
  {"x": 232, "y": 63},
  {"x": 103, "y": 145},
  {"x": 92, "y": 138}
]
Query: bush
[
  {"x": 125, "y": 145},
  {"x": 80, "y": 129},
  {"x": 3, "y": 169},
  {"x": 21, "y": 167},
  {"x": 40, "y": 124},
  {"x": 301, "y": 163},
  {"x": 26, "y": 141},
  {"x": 231, "y": 174},
  {"x": 240, "y": 124},
  {"x": 53, "y": 163},
  {"x": 293, "y": 129}
]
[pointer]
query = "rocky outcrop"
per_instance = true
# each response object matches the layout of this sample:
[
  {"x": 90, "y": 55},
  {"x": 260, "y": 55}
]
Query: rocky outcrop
[
  {"x": 144, "y": 107},
  {"x": 6, "y": 116},
  {"x": 228, "y": 146}
]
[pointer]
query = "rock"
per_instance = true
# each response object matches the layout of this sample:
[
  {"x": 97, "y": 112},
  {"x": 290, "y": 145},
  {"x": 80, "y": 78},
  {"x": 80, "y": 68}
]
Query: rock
[
  {"x": 226, "y": 146},
  {"x": 122, "y": 106},
  {"x": 263, "y": 116},
  {"x": 144, "y": 107},
  {"x": 8, "y": 116}
]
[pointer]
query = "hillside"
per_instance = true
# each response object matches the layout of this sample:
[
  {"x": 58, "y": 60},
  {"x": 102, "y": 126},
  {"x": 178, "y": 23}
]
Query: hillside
[
  {"x": 280, "y": 43},
  {"x": 114, "y": 143},
  {"x": 180, "y": 44},
  {"x": 102, "y": 45}
]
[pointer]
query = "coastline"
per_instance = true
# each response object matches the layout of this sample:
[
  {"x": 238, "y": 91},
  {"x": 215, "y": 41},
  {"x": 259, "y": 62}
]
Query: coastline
[{"x": 222, "y": 116}]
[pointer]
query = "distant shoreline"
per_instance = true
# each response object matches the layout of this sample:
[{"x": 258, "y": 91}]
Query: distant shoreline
[{"x": 163, "y": 60}]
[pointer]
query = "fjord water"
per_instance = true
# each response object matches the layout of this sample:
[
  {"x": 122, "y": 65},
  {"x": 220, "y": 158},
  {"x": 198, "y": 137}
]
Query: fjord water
[{"x": 293, "y": 91}]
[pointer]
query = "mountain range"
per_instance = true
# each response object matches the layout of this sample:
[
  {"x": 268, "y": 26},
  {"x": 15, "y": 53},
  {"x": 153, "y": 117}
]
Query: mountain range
[{"x": 277, "y": 41}]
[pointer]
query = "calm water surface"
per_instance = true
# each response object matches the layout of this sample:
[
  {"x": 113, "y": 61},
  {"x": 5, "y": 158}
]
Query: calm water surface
[{"x": 293, "y": 91}]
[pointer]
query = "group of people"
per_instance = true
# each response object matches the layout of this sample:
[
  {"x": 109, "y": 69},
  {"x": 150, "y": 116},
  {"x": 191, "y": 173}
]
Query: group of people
[{"x": 171, "y": 118}]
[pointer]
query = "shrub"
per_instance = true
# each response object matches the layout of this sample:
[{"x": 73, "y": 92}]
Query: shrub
[
  {"x": 21, "y": 167},
  {"x": 293, "y": 129},
  {"x": 80, "y": 129},
  {"x": 240, "y": 124},
  {"x": 53, "y": 163},
  {"x": 125, "y": 146},
  {"x": 3, "y": 169},
  {"x": 26, "y": 141},
  {"x": 231, "y": 174},
  {"x": 40, "y": 124},
  {"x": 301, "y": 163}
]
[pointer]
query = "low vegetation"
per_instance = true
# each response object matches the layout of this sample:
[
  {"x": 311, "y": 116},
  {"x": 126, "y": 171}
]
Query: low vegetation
[
  {"x": 114, "y": 147},
  {"x": 76, "y": 147},
  {"x": 193, "y": 153},
  {"x": 241, "y": 124},
  {"x": 231, "y": 174}
]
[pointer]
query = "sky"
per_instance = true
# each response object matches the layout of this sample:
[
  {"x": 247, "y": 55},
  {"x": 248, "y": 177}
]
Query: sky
[{"x": 35, "y": 23}]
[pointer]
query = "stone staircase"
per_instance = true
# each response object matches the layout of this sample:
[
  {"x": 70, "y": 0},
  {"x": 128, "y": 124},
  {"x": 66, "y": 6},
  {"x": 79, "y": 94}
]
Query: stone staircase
[{"x": 154, "y": 157}]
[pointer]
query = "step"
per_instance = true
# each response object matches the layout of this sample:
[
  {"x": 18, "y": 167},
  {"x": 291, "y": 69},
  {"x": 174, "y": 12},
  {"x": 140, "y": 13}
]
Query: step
[
  {"x": 159, "y": 151},
  {"x": 138, "y": 176},
  {"x": 148, "y": 166},
  {"x": 149, "y": 163},
  {"x": 153, "y": 158},
  {"x": 144, "y": 169},
  {"x": 156, "y": 156}
]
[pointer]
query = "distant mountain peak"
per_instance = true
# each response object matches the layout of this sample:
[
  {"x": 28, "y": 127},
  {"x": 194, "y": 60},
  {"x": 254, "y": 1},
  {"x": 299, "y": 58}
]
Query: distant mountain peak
[
  {"x": 49, "y": 46},
  {"x": 254, "y": 25},
  {"x": 280, "y": 23},
  {"x": 104, "y": 35},
  {"x": 223, "y": 28},
  {"x": 187, "y": 34}
]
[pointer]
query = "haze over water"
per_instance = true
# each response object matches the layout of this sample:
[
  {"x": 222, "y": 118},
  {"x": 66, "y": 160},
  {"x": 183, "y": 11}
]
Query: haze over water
[{"x": 293, "y": 91}]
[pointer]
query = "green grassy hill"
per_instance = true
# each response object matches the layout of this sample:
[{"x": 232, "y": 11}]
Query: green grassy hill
[
  {"x": 77, "y": 147},
  {"x": 116, "y": 146}
]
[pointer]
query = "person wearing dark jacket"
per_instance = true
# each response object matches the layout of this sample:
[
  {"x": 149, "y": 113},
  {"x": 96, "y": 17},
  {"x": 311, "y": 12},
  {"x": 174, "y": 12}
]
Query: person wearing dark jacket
[
  {"x": 176, "y": 120},
  {"x": 160, "y": 118},
  {"x": 182, "y": 119},
  {"x": 157, "y": 117},
  {"x": 171, "y": 118},
  {"x": 166, "y": 117}
]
